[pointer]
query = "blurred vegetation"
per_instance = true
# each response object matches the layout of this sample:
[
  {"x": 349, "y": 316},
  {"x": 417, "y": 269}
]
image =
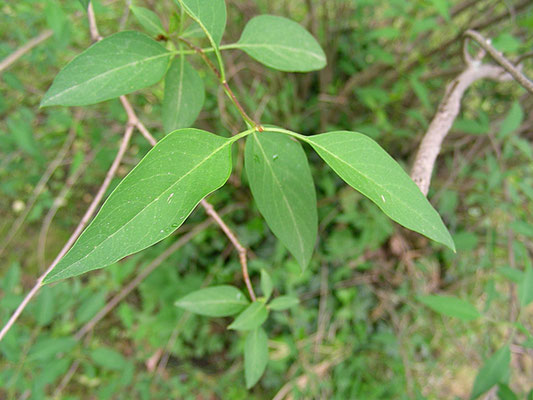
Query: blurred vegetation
[{"x": 360, "y": 332}]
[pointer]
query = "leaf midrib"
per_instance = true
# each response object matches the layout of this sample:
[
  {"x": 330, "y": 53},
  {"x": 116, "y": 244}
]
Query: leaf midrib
[
  {"x": 62, "y": 272},
  {"x": 299, "y": 236}
]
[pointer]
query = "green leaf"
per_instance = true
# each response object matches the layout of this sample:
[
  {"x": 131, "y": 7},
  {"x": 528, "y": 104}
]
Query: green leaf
[
  {"x": 184, "y": 95},
  {"x": 281, "y": 44},
  {"x": 152, "y": 201},
  {"x": 505, "y": 393},
  {"x": 266, "y": 284},
  {"x": 48, "y": 348},
  {"x": 149, "y": 20},
  {"x": 210, "y": 15},
  {"x": 282, "y": 186},
  {"x": 365, "y": 166},
  {"x": 251, "y": 318},
  {"x": 84, "y": 3},
  {"x": 216, "y": 301},
  {"x": 255, "y": 356},
  {"x": 451, "y": 306},
  {"x": 283, "y": 302},
  {"x": 119, "y": 64},
  {"x": 494, "y": 371},
  {"x": 108, "y": 359},
  {"x": 526, "y": 288},
  {"x": 512, "y": 121}
]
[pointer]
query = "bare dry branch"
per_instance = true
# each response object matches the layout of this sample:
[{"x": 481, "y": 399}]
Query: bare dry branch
[{"x": 13, "y": 57}]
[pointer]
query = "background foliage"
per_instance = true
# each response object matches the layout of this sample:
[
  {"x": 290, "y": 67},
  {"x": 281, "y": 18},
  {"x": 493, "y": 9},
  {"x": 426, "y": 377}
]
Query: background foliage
[{"x": 369, "y": 324}]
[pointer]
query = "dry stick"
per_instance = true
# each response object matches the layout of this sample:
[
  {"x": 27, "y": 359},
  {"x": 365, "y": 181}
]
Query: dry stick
[
  {"x": 58, "y": 202},
  {"x": 84, "y": 221},
  {"x": 39, "y": 188},
  {"x": 446, "y": 113},
  {"x": 501, "y": 60},
  {"x": 233, "y": 239},
  {"x": 13, "y": 57}
]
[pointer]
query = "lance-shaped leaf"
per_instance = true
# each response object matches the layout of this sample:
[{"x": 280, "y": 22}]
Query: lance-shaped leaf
[
  {"x": 209, "y": 14},
  {"x": 281, "y": 44},
  {"x": 283, "y": 303},
  {"x": 149, "y": 20},
  {"x": 451, "y": 306},
  {"x": 255, "y": 356},
  {"x": 184, "y": 95},
  {"x": 282, "y": 186},
  {"x": 365, "y": 166},
  {"x": 119, "y": 64},
  {"x": 216, "y": 301},
  {"x": 493, "y": 371},
  {"x": 152, "y": 201}
]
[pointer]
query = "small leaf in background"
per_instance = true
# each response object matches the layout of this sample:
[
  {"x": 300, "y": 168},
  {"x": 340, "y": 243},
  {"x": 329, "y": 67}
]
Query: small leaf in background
[
  {"x": 365, "y": 166},
  {"x": 255, "y": 356},
  {"x": 282, "y": 186},
  {"x": 108, "y": 359},
  {"x": 90, "y": 306},
  {"x": 46, "y": 348},
  {"x": 45, "y": 309},
  {"x": 216, "y": 301},
  {"x": 512, "y": 121},
  {"x": 495, "y": 370},
  {"x": 211, "y": 15},
  {"x": 522, "y": 228},
  {"x": 252, "y": 317},
  {"x": 421, "y": 91},
  {"x": 443, "y": 8},
  {"x": 21, "y": 130},
  {"x": 184, "y": 95},
  {"x": 148, "y": 20},
  {"x": 525, "y": 288},
  {"x": 11, "y": 279},
  {"x": 283, "y": 303},
  {"x": 266, "y": 284},
  {"x": 450, "y": 306},
  {"x": 281, "y": 44},
  {"x": 56, "y": 19},
  {"x": 506, "y": 43},
  {"x": 119, "y": 64},
  {"x": 152, "y": 201},
  {"x": 84, "y": 3}
]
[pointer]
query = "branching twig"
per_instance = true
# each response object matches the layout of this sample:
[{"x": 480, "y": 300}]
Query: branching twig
[
  {"x": 451, "y": 103},
  {"x": 501, "y": 60},
  {"x": 13, "y": 57},
  {"x": 81, "y": 226}
]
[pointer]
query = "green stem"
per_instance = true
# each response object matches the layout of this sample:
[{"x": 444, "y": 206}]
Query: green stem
[
  {"x": 299, "y": 136},
  {"x": 244, "y": 133}
]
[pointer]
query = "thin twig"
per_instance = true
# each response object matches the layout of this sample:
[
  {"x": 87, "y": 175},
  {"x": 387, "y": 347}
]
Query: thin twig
[
  {"x": 93, "y": 28},
  {"x": 501, "y": 60},
  {"x": 81, "y": 226},
  {"x": 233, "y": 239},
  {"x": 13, "y": 57}
]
